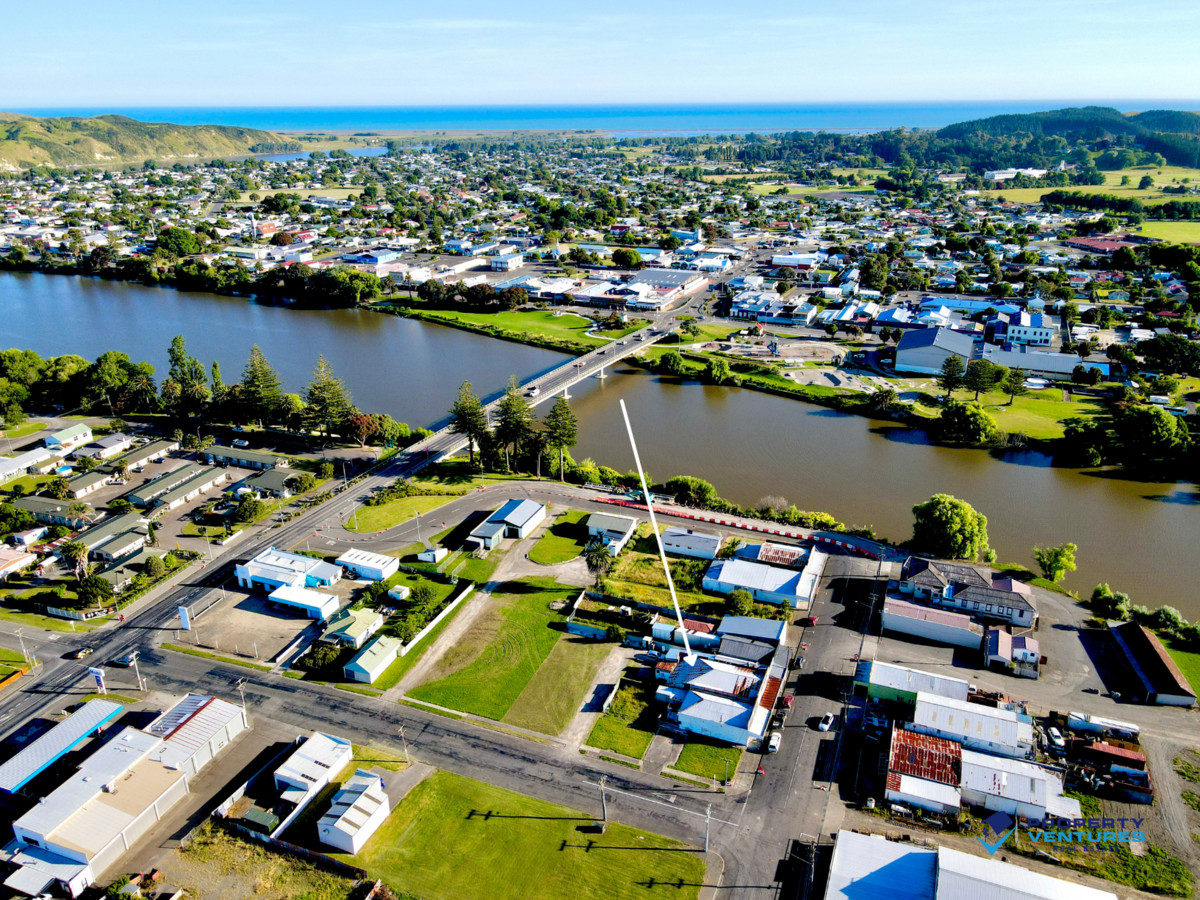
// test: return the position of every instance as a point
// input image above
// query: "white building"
(372, 660)
(313, 604)
(612, 530)
(1015, 787)
(938, 625)
(372, 566)
(273, 568)
(358, 810)
(765, 583)
(312, 766)
(691, 542)
(975, 726)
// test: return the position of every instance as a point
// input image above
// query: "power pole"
(603, 804)
(707, 820)
(20, 637)
(241, 686)
(403, 741)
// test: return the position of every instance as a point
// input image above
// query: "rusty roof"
(925, 756)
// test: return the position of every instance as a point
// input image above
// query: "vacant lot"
(630, 723)
(563, 540)
(1175, 232)
(453, 837)
(219, 866)
(557, 691)
(370, 519)
(708, 759)
(638, 575)
(501, 651)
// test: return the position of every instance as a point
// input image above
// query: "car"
(82, 652)
(773, 742)
(788, 700)
(241, 443)
(826, 722)
(127, 660)
(1055, 739)
(808, 621)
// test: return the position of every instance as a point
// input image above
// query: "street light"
(400, 731)
(20, 633)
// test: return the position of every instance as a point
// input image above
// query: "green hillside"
(27, 141)
(1079, 122)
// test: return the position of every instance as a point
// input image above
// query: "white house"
(612, 530)
(357, 811)
(691, 542)
(68, 439)
(372, 660)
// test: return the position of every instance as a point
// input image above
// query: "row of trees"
(516, 434)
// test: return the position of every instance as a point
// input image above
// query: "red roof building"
(924, 756)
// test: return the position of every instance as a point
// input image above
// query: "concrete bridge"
(539, 390)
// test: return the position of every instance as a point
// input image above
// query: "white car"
(826, 722)
(774, 741)
(240, 443)
(1055, 738)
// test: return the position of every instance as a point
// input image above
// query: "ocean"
(627, 120)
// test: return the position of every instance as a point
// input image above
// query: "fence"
(463, 592)
(319, 859)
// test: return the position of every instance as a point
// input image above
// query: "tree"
(58, 487)
(718, 371)
(75, 555)
(1109, 604)
(176, 242)
(1146, 183)
(949, 528)
(1014, 384)
(966, 423)
(261, 392)
(361, 426)
(155, 568)
(980, 376)
(739, 603)
(626, 258)
(671, 363)
(1055, 562)
(468, 418)
(1171, 354)
(185, 389)
(327, 402)
(251, 509)
(884, 399)
(562, 430)
(94, 591)
(598, 560)
(950, 378)
(514, 420)
(691, 491)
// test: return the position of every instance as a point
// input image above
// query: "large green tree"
(1055, 562)
(514, 420)
(950, 377)
(327, 402)
(261, 389)
(980, 377)
(562, 430)
(1014, 384)
(966, 423)
(950, 528)
(468, 418)
(185, 389)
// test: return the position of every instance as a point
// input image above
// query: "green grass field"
(629, 725)
(452, 837)
(541, 323)
(638, 575)
(23, 430)
(501, 651)
(558, 689)
(36, 620)
(563, 540)
(708, 759)
(370, 519)
(1162, 175)
(1187, 660)
(1175, 232)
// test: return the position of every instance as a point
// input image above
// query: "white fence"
(466, 592)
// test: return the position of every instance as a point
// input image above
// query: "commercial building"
(116, 537)
(614, 531)
(241, 457)
(372, 566)
(869, 866)
(771, 631)
(311, 766)
(82, 828)
(199, 483)
(357, 811)
(924, 772)
(312, 604)
(146, 493)
(515, 519)
(50, 746)
(272, 569)
(49, 511)
(13, 561)
(891, 683)
(1058, 366)
(30, 462)
(937, 625)
(924, 350)
(1156, 677)
(372, 660)
(691, 542)
(975, 726)
(1014, 787)
(766, 583)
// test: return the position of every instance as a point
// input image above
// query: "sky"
(517, 52)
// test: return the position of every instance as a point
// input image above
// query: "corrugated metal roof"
(871, 866)
(64, 736)
(964, 875)
(902, 678)
(925, 756)
(191, 724)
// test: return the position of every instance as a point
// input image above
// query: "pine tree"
(515, 419)
(562, 430)
(328, 401)
(468, 418)
(261, 390)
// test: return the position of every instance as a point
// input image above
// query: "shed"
(357, 811)
(313, 604)
(372, 566)
(372, 660)
(691, 542)
(614, 531)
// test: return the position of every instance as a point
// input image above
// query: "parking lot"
(245, 623)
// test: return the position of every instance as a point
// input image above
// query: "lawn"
(23, 430)
(559, 688)
(465, 566)
(518, 847)
(36, 620)
(708, 758)
(394, 673)
(522, 324)
(1176, 232)
(629, 725)
(502, 650)
(1187, 660)
(638, 575)
(370, 519)
(455, 476)
(563, 540)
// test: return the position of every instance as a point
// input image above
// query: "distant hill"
(1079, 122)
(66, 141)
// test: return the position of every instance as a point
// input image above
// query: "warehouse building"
(975, 726)
(372, 660)
(766, 583)
(357, 811)
(515, 519)
(372, 566)
(937, 625)
(1156, 677)
(272, 569)
(82, 828)
(872, 866)
(899, 684)
(311, 604)
(53, 744)
(312, 766)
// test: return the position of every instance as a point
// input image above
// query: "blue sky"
(371, 52)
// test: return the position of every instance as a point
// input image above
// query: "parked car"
(808, 621)
(826, 722)
(774, 741)
(1055, 739)
(241, 443)
(788, 700)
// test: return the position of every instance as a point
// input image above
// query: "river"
(1138, 536)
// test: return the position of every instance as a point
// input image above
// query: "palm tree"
(75, 554)
(599, 561)
(79, 510)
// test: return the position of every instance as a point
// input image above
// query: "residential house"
(614, 531)
(66, 440)
(49, 511)
(353, 627)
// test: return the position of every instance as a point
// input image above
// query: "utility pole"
(707, 820)
(138, 673)
(20, 637)
(604, 804)
(403, 741)
(241, 686)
